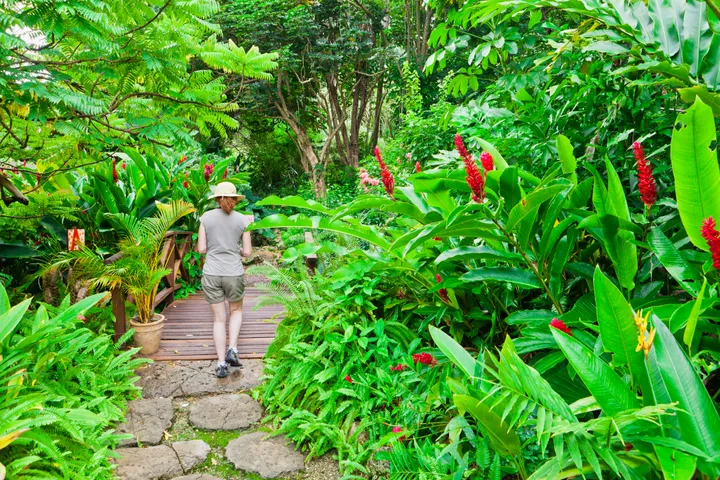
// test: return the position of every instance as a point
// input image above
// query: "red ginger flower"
(209, 169)
(114, 171)
(398, 429)
(185, 184)
(646, 181)
(474, 178)
(712, 237)
(418, 168)
(123, 166)
(487, 161)
(182, 159)
(442, 292)
(387, 178)
(560, 325)
(399, 367)
(424, 358)
(348, 379)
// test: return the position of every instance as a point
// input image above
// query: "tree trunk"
(50, 288)
(422, 54)
(378, 113)
(356, 117)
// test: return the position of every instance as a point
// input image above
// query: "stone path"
(191, 425)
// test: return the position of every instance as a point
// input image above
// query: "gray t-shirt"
(224, 240)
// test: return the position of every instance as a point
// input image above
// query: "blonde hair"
(227, 203)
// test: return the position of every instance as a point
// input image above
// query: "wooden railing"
(176, 245)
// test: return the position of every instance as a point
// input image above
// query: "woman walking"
(222, 237)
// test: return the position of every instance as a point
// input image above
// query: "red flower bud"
(38, 177)
(474, 178)
(398, 429)
(442, 292)
(387, 178)
(114, 171)
(123, 166)
(399, 367)
(487, 161)
(348, 379)
(424, 358)
(712, 237)
(182, 159)
(185, 184)
(209, 169)
(418, 168)
(560, 325)
(646, 181)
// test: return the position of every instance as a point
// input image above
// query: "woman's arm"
(246, 245)
(202, 240)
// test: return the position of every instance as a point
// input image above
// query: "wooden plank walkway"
(187, 334)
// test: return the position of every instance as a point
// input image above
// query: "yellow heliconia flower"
(645, 338)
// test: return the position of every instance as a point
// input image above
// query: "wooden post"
(310, 260)
(118, 308)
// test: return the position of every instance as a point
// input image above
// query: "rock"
(151, 463)
(225, 412)
(197, 476)
(269, 458)
(191, 453)
(193, 378)
(147, 420)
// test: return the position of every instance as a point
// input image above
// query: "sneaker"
(232, 358)
(221, 371)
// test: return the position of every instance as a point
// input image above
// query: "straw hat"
(225, 189)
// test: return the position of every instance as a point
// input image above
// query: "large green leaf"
(456, 353)
(567, 157)
(532, 202)
(693, 318)
(477, 253)
(617, 328)
(611, 206)
(693, 151)
(10, 319)
(503, 439)
(696, 34)
(516, 276)
(670, 257)
(675, 465)
(294, 201)
(610, 392)
(322, 223)
(4, 300)
(665, 28)
(696, 413)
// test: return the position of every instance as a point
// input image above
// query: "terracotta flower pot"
(147, 335)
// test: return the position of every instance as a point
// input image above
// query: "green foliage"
(535, 249)
(64, 388)
(83, 79)
(137, 269)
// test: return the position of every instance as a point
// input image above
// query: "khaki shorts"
(218, 289)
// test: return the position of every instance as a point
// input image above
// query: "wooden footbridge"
(187, 334)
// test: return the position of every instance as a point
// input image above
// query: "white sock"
(222, 364)
(234, 349)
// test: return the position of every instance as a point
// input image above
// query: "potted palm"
(136, 269)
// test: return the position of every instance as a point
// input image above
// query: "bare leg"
(235, 322)
(218, 310)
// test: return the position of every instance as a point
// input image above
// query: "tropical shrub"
(492, 251)
(63, 390)
(136, 267)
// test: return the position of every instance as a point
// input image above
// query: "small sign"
(76, 237)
